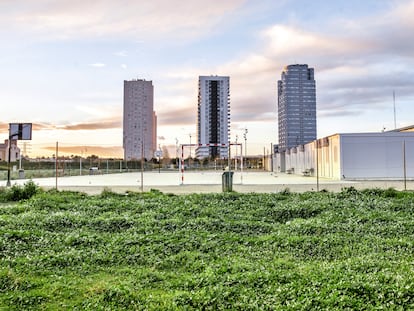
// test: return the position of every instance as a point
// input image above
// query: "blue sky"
(64, 62)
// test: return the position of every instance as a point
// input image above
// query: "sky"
(63, 64)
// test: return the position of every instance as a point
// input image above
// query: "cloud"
(102, 124)
(357, 65)
(76, 19)
(357, 61)
(121, 53)
(43, 126)
(289, 41)
(4, 127)
(97, 65)
(177, 116)
(88, 126)
(102, 151)
(339, 113)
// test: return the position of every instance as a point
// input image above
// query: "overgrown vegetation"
(351, 250)
(17, 192)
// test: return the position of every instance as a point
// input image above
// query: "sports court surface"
(204, 182)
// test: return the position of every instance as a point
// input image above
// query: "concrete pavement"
(204, 182)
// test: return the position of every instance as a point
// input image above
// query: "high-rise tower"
(213, 122)
(140, 128)
(296, 106)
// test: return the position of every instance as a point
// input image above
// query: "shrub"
(390, 193)
(18, 192)
(108, 193)
(349, 191)
(285, 191)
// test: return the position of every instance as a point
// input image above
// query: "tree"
(165, 153)
(93, 157)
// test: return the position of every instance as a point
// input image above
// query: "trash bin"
(227, 181)
(21, 174)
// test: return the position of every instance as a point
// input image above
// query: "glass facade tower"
(296, 106)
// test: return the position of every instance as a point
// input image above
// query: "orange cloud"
(4, 127)
(98, 125)
(101, 151)
(94, 125)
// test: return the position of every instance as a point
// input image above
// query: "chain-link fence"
(49, 167)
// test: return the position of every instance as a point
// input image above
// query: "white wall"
(377, 155)
(329, 157)
(354, 156)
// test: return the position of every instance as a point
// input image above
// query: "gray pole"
(271, 157)
(241, 163)
(245, 144)
(8, 164)
(159, 158)
(142, 164)
(229, 159)
(190, 145)
(395, 117)
(176, 153)
(235, 158)
(56, 165)
(405, 167)
(317, 167)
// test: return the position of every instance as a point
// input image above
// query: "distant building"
(213, 122)
(14, 151)
(296, 107)
(140, 121)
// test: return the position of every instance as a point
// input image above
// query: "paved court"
(204, 182)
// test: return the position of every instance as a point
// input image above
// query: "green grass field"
(351, 250)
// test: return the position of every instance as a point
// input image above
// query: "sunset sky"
(63, 64)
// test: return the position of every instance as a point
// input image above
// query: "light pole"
(190, 145)
(159, 158)
(8, 163)
(143, 130)
(176, 151)
(235, 159)
(245, 144)
(189, 159)
(83, 151)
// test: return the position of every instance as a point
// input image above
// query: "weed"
(18, 192)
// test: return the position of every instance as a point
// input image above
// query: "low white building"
(14, 151)
(386, 155)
